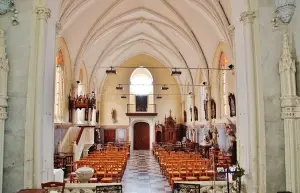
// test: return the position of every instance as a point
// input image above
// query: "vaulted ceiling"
(178, 33)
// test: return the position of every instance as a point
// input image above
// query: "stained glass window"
(59, 88)
(223, 87)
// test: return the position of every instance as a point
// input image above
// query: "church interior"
(149, 96)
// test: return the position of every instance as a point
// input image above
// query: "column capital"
(3, 113)
(247, 17)
(58, 28)
(43, 13)
(231, 29)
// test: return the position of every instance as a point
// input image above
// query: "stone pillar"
(42, 167)
(291, 116)
(3, 99)
(39, 136)
(247, 18)
(94, 111)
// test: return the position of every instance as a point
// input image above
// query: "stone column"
(3, 99)
(247, 18)
(38, 166)
(93, 111)
(291, 115)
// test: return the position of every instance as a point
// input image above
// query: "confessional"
(169, 131)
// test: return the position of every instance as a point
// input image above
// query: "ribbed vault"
(178, 33)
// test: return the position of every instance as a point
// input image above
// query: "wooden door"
(141, 136)
(109, 136)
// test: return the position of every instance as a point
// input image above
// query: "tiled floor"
(142, 175)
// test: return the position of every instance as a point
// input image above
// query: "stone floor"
(142, 175)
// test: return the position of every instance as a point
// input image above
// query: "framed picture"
(231, 101)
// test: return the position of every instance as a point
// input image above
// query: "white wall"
(111, 98)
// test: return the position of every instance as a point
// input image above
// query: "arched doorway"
(141, 135)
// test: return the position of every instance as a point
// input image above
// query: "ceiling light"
(123, 97)
(119, 87)
(159, 97)
(164, 87)
(175, 72)
(111, 71)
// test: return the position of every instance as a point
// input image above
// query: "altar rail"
(206, 187)
(91, 187)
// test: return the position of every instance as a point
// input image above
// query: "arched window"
(59, 88)
(141, 90)
(223, 87)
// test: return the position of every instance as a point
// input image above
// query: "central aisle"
(142, 175)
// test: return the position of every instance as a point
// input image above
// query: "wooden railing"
(79, 135)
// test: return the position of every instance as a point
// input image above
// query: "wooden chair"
(57, 186)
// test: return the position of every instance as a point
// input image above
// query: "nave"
(143, 175)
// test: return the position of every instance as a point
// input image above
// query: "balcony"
(141, 110)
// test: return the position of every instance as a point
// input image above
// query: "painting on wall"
(231, 100)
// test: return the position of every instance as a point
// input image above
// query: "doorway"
(158, 137)
(141, 136)
(109, 135)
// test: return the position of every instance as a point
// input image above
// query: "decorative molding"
(58, 28)
(285, 10)
(3, 113)
(247, 17)
(286, 62)
(290, 113)
(3, 59)
(43, 13)
(3, 98)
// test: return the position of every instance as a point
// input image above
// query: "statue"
(214, 137)
(114, 115)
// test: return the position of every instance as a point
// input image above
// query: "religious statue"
(231, 101)
(191, 112)
(213, 109)
(196, 113)
(114, 115)
(206, 109)
(215, 136)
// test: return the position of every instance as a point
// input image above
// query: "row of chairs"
(183, 166)
(109, 166)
